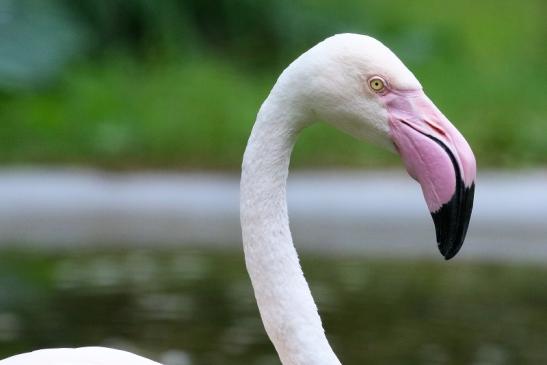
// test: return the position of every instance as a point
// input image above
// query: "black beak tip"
(452, 220)
(450, 252)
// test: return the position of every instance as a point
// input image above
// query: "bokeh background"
(176, 84)
(126, 86)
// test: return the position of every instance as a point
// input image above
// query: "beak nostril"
(436, 128)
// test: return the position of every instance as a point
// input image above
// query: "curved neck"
(286, 306)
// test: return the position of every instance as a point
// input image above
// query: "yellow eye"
(377, 84)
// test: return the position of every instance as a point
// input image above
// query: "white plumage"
(328, 82)
(78, 356)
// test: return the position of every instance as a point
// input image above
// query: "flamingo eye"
(377, 84)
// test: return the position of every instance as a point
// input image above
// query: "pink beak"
(439, 158)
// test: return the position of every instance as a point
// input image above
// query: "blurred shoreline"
(379, 213)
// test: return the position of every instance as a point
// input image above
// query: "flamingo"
(358, 85)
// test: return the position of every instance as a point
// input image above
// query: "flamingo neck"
(284, 299)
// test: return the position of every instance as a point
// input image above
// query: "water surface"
(195, 306)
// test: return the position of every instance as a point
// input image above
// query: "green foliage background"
(176, 84)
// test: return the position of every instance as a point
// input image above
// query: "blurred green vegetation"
(176, 84)
(199, 302)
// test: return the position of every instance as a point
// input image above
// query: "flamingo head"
(357, 84)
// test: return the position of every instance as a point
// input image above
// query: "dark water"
(196, 307)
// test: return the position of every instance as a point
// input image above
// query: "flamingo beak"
(439, 158)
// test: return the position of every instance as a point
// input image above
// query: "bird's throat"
(283, 296)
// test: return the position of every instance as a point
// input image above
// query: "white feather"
(328, 82)
(78, 356)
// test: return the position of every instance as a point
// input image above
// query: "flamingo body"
(78, 356)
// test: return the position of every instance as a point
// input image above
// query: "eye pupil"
(377, 84)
